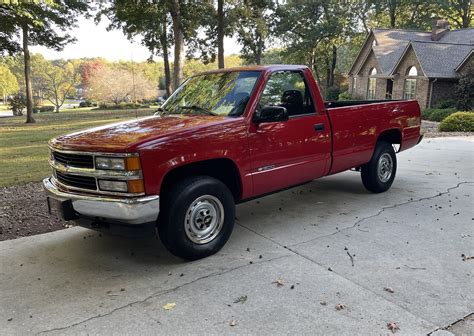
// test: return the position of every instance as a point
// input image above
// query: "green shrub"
(434, 114)
(46, 108)
(444, 104)
(333, 93)
(458, 122)
(121, 106)
(17, 104)
(87, 103)
(345, 96)
(465, 91)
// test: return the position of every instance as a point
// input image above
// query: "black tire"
(372, 180)
(175, 228)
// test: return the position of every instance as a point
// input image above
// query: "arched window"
(409, 89)
(411, 71)
(372, 84)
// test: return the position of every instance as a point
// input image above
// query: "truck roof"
(269, 67)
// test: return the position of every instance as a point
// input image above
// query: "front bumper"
(121, 210)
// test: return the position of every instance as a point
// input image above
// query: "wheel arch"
(223, 169)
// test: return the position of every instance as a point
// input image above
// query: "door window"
(289, 90)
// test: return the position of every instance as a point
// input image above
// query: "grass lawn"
(24, 147)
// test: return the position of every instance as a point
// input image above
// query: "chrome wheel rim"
(204, 219)
(385, 167)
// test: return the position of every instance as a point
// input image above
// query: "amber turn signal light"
(135, 186)
(132, 163)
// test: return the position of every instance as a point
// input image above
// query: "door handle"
(319, 127)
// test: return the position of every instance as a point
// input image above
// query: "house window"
(372, 84)
(409, 89)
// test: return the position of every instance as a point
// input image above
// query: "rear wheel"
(197, 217)
(378, 174)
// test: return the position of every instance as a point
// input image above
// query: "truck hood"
(125, 136)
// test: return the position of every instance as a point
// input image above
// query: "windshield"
(223, 94)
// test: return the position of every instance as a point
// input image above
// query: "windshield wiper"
(198, 108)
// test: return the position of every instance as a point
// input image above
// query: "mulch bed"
(23, 212)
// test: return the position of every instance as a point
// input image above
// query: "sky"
(95, 41)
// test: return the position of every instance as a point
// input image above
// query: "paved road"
(409, 239)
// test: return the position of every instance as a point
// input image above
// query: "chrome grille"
(74, 160)
(76, 181)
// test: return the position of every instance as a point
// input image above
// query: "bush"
(46, 108)
(445, 104)
(17, 104)
(345, 96)
(333, 93)
(87, 103)
(458, 122)
(434, 114)
(121, 106)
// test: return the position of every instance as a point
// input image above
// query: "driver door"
(287, 153)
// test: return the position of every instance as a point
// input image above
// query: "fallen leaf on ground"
(340, 306)
(466, 257)
(388, 289)
(323, 303)
(393, 326)
(279, 282)
(233, 323)
(169, 306)
(241, 299)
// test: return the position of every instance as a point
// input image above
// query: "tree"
(35, 22)
(112, 84)
(145, 18)
(8, 83)
(465, 91)
(253, 19)
(459, 12)
(59, 80)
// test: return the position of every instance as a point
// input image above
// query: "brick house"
(407, 64)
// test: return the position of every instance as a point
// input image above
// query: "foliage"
(111, 84)
(39, 23)
(333, 93)
(436, 114)
(17, 104)
(87, 103)
(345, 96)
(458, 122)
(465, 91)
(8, 82)
(444, 104)
(46, 108)
(121, 106)
(253, 22)
(59, 80)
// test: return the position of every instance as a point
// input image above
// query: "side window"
(288, 89)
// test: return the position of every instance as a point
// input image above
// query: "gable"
(408, 59)
(362, 55)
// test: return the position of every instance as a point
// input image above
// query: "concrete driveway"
(294, 256)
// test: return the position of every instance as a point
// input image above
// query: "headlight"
(130, 186)
(111, 163)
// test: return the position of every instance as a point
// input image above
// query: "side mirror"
(271, 114)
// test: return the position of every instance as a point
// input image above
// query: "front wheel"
(197, 217)
(378, 174)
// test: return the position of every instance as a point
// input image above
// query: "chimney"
(439, 28)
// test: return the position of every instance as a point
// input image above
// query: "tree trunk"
(259, 51)
(392, 8)
(466, 13)
(178, 43)
(332, 66)
(166, 61)
(220, 33)
(29, 92)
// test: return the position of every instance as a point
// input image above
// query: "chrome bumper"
(124, 210)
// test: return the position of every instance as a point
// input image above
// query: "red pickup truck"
(222, 137)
